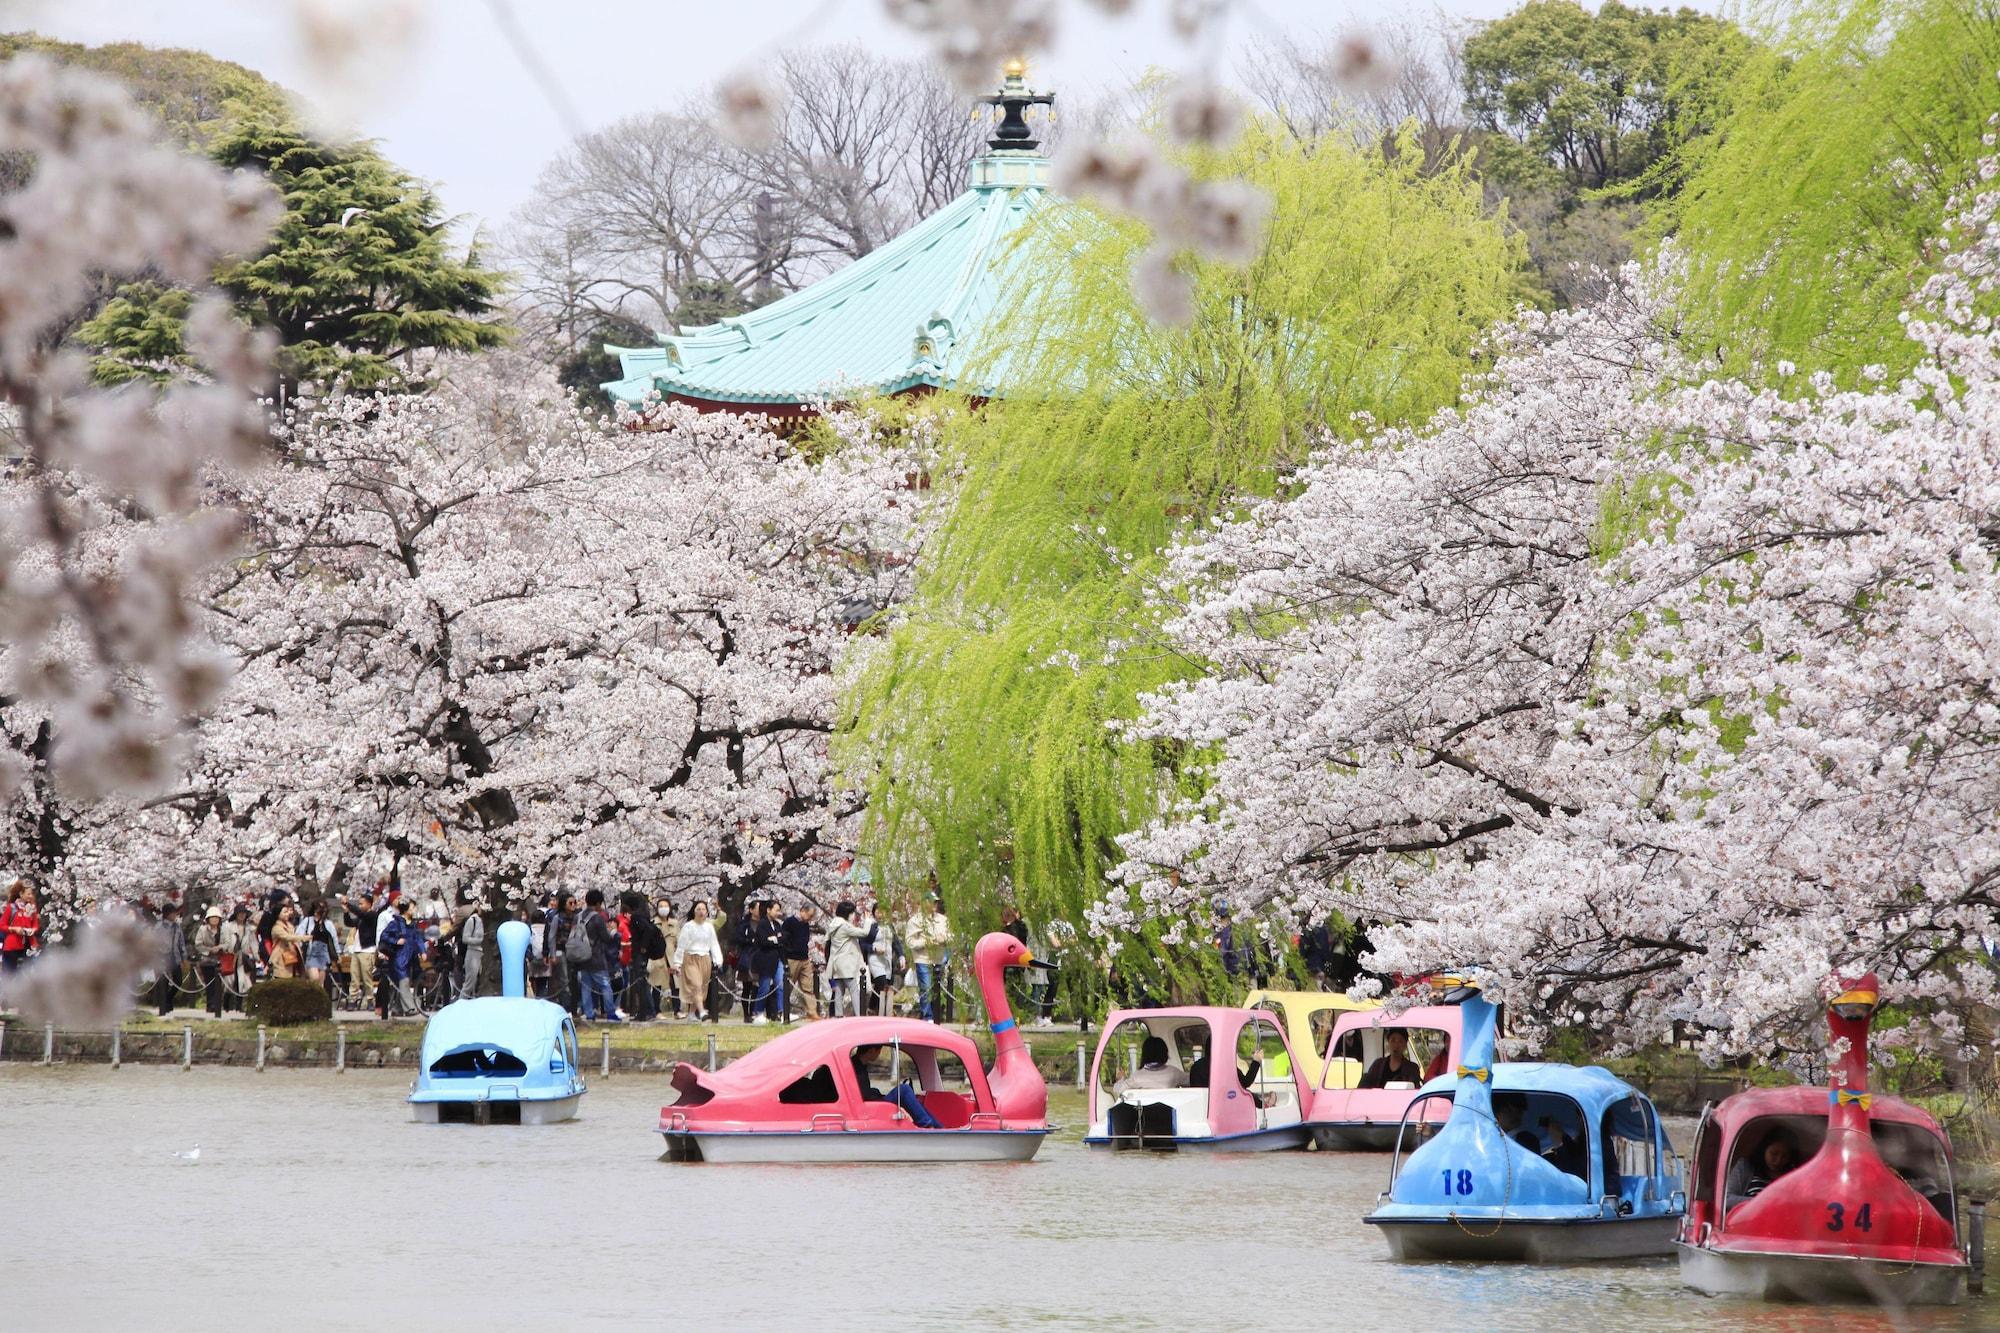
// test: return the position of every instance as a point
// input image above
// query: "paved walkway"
(733, 1021)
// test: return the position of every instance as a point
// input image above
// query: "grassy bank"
(640, 1047)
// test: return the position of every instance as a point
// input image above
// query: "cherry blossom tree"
(102, 525)
(104, 529)
(1659, 695)
(494, 641)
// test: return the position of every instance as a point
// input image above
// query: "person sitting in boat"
(1394, 1065)
(1197, 1076)
(1154, 1071)
(904, 1094)
(1777, 1154)
(1567, 1150)
(1509, 1110)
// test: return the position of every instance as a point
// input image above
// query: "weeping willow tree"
(1806, 215)
(985, 727)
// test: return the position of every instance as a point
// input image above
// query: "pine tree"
(356, 276)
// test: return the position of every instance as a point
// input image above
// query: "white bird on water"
(191, 1156)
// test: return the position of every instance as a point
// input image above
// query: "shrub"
(286, 1000)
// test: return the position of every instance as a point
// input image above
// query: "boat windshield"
(1264, 1064)
(1361, 1052)
(1162, 1052)
(1422, 1120)
(1548, 1124)
(478, 1062)
(929, 1083)
(1911, 1151)
(1318, 1023)
(1632, 1160)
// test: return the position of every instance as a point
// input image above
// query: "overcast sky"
(453, 103)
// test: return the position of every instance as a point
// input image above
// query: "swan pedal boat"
(499, 1059)
(1607, 1186)
(1870, 1213)
(800, 1097)
(1238, 1109)
(1343, 1116)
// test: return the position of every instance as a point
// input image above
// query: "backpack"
(578, 949)
(656, 944)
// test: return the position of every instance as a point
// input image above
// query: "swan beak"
(1026, 959)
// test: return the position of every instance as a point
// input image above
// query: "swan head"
(1002, 950)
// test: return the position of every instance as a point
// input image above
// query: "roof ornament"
(1015, 97)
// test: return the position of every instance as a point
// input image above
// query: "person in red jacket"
(20, 927)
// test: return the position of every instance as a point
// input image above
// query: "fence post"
(711, 1052)
(48, 1043)
(340, 1050)
(116, 1034)
(187, 1047)
(604, 1054)
(1079, 1067)
(1976, 1280)
(260, 1048)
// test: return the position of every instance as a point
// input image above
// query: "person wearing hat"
(208, 958)
(238, 956)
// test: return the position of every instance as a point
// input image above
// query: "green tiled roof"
(910, 313)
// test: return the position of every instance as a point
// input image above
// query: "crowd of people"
(632, 959)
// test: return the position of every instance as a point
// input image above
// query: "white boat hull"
(540, 1111)
(913, 1145)
(1532, 1242)
(1818, 1279)
(1284, 1139)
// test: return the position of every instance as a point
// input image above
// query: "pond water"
(315, 1202)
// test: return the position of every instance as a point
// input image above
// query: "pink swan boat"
(871, 1090)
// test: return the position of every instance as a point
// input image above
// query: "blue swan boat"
(501, 1059)
(1542, 1163)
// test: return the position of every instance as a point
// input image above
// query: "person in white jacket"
(697, 953)
(843, 958)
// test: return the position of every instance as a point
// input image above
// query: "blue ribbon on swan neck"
(1004, 1025)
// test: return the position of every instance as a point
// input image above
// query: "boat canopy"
(1595, 1089)
(497, 1046)
(1214, 1101)
(1739, 1109)
(529, 1030)
(1309, 1018)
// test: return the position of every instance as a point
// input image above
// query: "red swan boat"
(1870, 1214)
(871, 1090)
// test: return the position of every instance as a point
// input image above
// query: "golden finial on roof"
(1013, 98)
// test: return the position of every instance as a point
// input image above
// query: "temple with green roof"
(909, 317)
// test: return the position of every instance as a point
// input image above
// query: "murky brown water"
(316, 1203)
